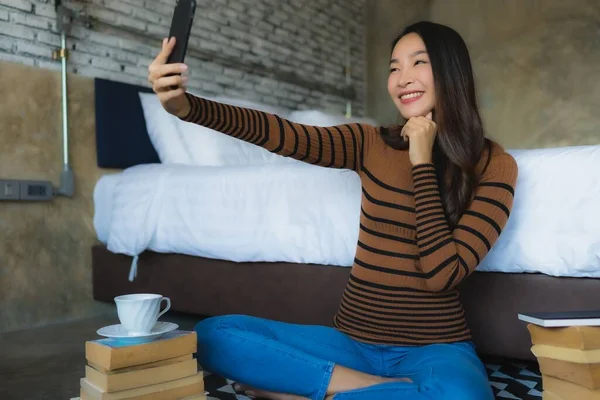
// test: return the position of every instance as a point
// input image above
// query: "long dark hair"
(460, 139)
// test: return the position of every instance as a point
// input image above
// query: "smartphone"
(181, 26)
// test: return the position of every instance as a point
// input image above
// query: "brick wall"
(289, 53)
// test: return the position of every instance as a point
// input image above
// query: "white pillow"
(179, 142)
(162, 129)
(209, 147)
(320, 118)
(554, 226)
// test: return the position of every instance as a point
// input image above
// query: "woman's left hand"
(420, 131)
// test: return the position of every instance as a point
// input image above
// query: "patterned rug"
(509, 380)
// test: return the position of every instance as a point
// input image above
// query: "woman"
(436, 195)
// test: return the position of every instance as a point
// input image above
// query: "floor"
(47, 363)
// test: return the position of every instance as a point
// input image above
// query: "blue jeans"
(299, 359)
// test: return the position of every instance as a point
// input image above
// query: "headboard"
(122, 139)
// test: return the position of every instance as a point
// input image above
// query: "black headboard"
(122, 139)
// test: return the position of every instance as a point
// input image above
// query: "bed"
(169, 227)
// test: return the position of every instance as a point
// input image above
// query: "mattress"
(293, 212)
(300, 213)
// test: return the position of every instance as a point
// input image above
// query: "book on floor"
(194, 397)
(138, 377)
(562, 318)
(546, 395)
(141, 366)
(586, 375)
(566, 354)
(111, 354)
(567, 390)
(573, 337)
(175, 389)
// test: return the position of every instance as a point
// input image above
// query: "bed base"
(310, 294)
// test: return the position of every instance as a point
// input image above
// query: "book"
(194, 397)
(573, 337)
(177, 389)
(568, 390)
(111, 354)
(565, 354)
(115, 382)
(587, 375)
(562, 318)
(546, 395)
(158, 363)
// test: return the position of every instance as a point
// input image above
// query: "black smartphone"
(181, 26)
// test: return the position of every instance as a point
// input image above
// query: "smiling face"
(410, 83)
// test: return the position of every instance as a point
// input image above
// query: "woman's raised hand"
(169, 82)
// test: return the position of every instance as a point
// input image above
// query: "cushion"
(209, 147)
(554, 225)
(180, 142)
(321, 118)
(163, 132)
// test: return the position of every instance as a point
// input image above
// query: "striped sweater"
(408, 263)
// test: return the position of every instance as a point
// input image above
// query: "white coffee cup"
(138, 313)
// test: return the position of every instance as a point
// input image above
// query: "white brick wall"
(289, 53)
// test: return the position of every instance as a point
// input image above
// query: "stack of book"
(161, 369)
(567, 347)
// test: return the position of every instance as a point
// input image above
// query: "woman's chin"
(409, 112)
(408, 115)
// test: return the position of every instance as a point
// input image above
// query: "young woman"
(436, 195)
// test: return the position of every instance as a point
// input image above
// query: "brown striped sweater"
(402, 286)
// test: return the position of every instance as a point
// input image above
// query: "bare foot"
(263, 394)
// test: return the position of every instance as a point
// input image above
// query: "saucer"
(119, 333)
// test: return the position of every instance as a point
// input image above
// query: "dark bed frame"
(299, 293)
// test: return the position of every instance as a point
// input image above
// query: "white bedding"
(295, 212)
(104, 192)
(554, 227)
(292, 212)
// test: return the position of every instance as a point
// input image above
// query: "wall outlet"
(9, 190)
(23, 190)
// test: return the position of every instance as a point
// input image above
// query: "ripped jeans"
(299, 359)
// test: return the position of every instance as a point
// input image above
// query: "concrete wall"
(538, 67)
(45, 261)
(285, 53)
(537, 64)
